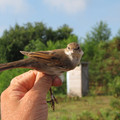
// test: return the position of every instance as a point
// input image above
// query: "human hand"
(25, 98)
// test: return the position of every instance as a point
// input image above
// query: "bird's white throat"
(75, 59)
(69, 53)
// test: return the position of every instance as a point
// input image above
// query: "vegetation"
(101, 51)
(103, 54)
(86, 108)
(18, 37)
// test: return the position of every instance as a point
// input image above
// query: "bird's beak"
(72, 51)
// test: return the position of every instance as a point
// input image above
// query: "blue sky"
(81, 15)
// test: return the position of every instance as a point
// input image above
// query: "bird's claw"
(53, 100)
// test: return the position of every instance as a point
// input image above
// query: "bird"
(52, 62)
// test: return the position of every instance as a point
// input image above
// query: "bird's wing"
(40, 54)
(51, 58)
(48, 56)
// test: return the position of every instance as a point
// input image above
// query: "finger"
(48, 81)
(24, 81)
(57, 82)
(43, 83)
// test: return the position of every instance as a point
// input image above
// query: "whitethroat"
(52, 62)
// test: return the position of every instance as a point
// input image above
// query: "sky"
(81, 15)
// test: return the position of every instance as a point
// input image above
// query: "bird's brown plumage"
(52, 62)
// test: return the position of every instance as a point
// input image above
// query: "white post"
(74, 85)
(77, 81)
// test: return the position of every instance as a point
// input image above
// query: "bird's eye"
(69, 48)
(77, 48)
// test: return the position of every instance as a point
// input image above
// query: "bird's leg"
(53, 100)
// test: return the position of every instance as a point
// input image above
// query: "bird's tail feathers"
(17, 64)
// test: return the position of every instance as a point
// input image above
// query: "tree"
(16, 38)
(37, 45)
(102, 55)
(64, 32)
(100, 32)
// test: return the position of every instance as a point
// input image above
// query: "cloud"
(68, 6)
(14, 6)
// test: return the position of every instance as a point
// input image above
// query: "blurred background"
(52, 24)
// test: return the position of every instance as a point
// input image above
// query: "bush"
(115, 86)
(8, 75)
(115, 103)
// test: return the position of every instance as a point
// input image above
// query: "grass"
(85, 108)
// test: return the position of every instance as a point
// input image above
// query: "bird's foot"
(53, 100)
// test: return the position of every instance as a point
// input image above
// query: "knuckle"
(13, 81)
(3, 94)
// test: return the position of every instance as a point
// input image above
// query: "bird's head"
(74, 49)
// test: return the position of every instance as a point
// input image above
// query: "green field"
(86, 108)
